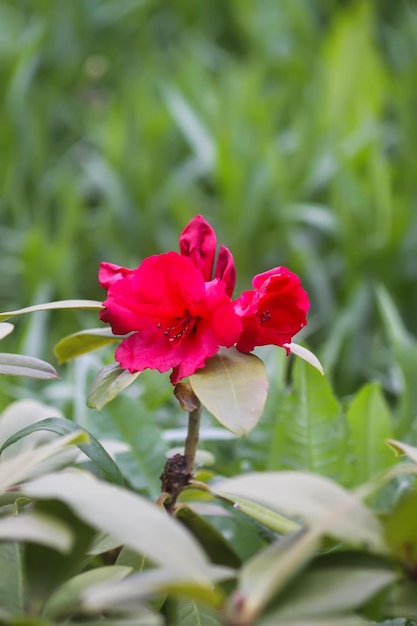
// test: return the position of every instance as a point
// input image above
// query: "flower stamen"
(265, 316)
(183, 327)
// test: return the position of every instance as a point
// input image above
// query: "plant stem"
(191, 441)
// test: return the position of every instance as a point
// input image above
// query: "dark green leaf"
(213, 542)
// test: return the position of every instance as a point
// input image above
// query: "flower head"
(198, 243)
(274, 311)
(176, 319)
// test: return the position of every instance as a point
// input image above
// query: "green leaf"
(192, 613)
(138, 587)
(269, 571)
(323, 592)
(400, 448)
(213, 542)
(401, 532)
(315, 499)
(20, 467)
(128, 517)
(67, 598)
(404, 347)
(84, 341)
(310, 432)
(5, 329)
(37, 528)
(263, 515)
(48, 306)
(108, 383)
(233, 387)
(334, 620)
(20, 365)
(93, 449)
(12, 581)
(369, 421)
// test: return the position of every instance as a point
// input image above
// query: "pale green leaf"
(315, 499)
(137, 587)
(82, 342)
(109, 382)
(5, 329)
(233, 387)
(369, 421)
(48, 306)
(20, 365)
(20, 467)
(326, 591)
(67, 598)
(127, 517)
(21, 414)
(399, 447)
(271, 569)
(310, 433)
(271, 519)
(306, 355)
(93, 449)
(37, 528)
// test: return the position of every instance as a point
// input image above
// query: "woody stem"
(191, 441)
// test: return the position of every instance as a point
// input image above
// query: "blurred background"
(291, 126)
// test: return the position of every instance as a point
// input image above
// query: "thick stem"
(191, 441)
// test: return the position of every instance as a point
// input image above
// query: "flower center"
(183, 326)
(265, 316)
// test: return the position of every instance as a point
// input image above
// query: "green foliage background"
(290, 125)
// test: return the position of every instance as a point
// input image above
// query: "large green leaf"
(48, 306)
(20, 365)
(369, 421)
(93, 449)
(310, 433)
(128, 517)
(233, 387)
(38, 528)
(82, 342)
(20, 467)
(108, 383)
(315, 499)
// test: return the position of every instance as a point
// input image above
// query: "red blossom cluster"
(177, 309)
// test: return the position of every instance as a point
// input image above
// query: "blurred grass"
(290, 125)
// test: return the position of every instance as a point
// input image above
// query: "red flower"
(198, 243)
(274, 311)
(176, 318)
